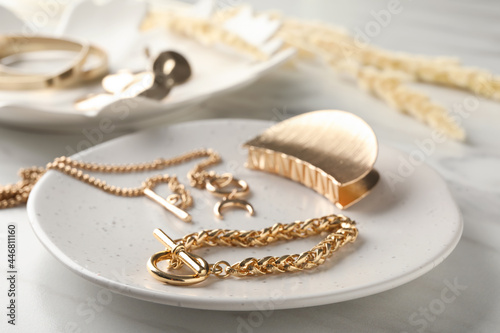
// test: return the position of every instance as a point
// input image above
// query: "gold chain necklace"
(18, 193)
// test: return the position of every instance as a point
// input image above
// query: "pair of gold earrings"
(230, 190)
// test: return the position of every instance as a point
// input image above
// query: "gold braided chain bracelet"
(341, 230)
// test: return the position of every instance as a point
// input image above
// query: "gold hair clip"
(332, 152)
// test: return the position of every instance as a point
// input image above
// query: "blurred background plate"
(406, 227)
(215, 69)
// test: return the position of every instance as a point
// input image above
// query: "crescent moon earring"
(227, 202)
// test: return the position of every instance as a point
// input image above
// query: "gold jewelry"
(168, 69)
(14, 195)
(332, 152)
(218, 186)
(77, 72)
(17, 194)
(340, 228)
(230, 198)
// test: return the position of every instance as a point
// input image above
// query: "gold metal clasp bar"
(168, 205)
(173, 250)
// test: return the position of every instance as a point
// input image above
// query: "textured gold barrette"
(332, 152)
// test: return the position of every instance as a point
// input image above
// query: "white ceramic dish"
(215, 70)
(405, 229)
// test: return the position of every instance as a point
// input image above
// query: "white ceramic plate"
(405, 230)
(215, 70)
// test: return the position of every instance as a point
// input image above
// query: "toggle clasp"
(169, 203)
(176, 251)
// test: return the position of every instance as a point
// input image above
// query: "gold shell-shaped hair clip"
(332, 152)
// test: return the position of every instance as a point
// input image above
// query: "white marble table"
(53, 299)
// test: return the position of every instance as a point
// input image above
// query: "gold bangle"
(10, 79)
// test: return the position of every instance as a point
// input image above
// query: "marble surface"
(460, 295)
